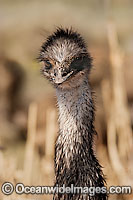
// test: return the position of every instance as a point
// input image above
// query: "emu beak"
(60, 78)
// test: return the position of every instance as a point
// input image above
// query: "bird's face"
(56, 72)
(64, 62)
(61, 72)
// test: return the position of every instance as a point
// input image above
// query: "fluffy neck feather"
(75, 162)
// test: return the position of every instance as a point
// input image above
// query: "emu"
(66, 63)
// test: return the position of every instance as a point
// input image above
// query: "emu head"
(64, 58)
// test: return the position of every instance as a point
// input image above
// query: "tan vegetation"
(28, 115)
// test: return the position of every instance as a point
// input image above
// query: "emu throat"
(75, 162)
(75, 124)
(75, 121)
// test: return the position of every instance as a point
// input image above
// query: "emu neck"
(75, 119)
(75, 162)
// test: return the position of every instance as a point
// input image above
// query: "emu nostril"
(64, 73)
(55, 73)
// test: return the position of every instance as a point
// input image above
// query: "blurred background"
(28, 114)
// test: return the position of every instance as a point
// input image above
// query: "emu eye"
(79, 63)
(48, 65)
(78, 58)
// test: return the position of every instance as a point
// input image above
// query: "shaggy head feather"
(64, 56)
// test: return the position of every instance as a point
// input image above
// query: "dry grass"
(27, 134)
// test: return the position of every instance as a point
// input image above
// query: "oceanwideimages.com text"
(8, 188)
